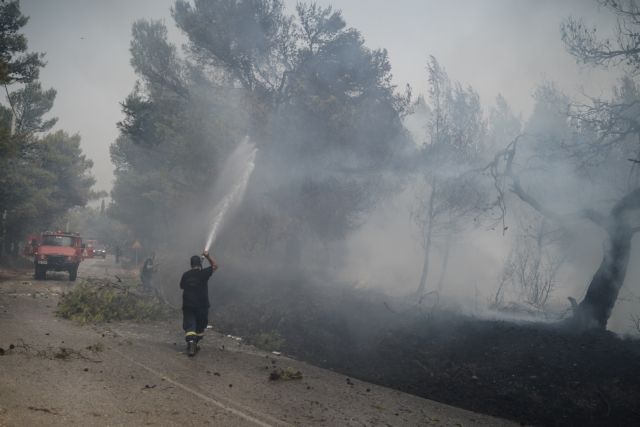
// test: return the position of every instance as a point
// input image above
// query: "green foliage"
(31, 103)
(15, 64)
(318, 103)
(269, 341)
(178, 128)
(154, 58)
(8, 144)
(286, 374)
(248, 38)
(96, 301)
(41, 177)
(43, 183)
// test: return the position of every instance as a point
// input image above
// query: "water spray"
(232, 198)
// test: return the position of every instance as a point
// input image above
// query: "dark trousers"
(146, 282)
(194, 322)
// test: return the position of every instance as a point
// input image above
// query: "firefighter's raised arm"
(212, 261)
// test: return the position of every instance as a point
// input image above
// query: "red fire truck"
(58, 251)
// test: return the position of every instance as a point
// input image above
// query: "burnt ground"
(532, 373)
(56, 372)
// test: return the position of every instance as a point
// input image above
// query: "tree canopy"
(319, 105)
(42, 175)
(16, 64)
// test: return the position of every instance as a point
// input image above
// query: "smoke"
(242, 161)
(316, 209)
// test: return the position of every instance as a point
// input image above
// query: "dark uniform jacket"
(194, 284)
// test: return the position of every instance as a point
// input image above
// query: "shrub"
(269, 341)
(96, 301)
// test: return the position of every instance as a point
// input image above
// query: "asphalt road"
(61, 373)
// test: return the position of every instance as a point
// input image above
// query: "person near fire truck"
(147, 271)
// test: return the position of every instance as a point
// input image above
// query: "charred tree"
(597, 305)
(447, 195)
(594, 310)
(445, 262)
(616, 124)
(427, 238)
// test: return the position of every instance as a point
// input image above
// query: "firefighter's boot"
(192, 347)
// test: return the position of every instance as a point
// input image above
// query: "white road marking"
(244, 413)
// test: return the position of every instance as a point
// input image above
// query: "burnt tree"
(597, 305)
(617, 127)
(620, 224)
(447, 194)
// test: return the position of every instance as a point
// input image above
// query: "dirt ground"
(530, 373)
(55, 372)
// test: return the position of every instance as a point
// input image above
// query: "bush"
(96, 301)
(269, 341)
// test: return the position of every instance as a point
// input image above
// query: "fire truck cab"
(58, 251)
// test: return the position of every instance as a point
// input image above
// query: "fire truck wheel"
(41, 272)
(73, 273)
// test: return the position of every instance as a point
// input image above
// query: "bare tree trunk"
(425, 267)
(601, 296)
(596, 307)
(427, 246)
(445, 263)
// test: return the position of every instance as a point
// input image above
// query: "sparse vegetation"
(269, 341)
(286, 374)
(64, 353)
(97, 347)
(96, 301)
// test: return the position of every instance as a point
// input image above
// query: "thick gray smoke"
(345, 166)
(320, 211)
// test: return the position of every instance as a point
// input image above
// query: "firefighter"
(195, 300)
(146, 272)
(31, 248)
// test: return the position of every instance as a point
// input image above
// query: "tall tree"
(448, 193)
(30, 104)
(16, 64)
(40, 186)
(178, 127)
(41, 177)
(602, 143)
(252, 39)
(616, 129)
(583, 152)
(503, 125)
(322, 108)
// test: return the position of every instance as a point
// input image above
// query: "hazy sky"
(505, 46)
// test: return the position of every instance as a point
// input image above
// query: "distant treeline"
(42, 173)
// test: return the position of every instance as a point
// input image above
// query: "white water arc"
(234, 196)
